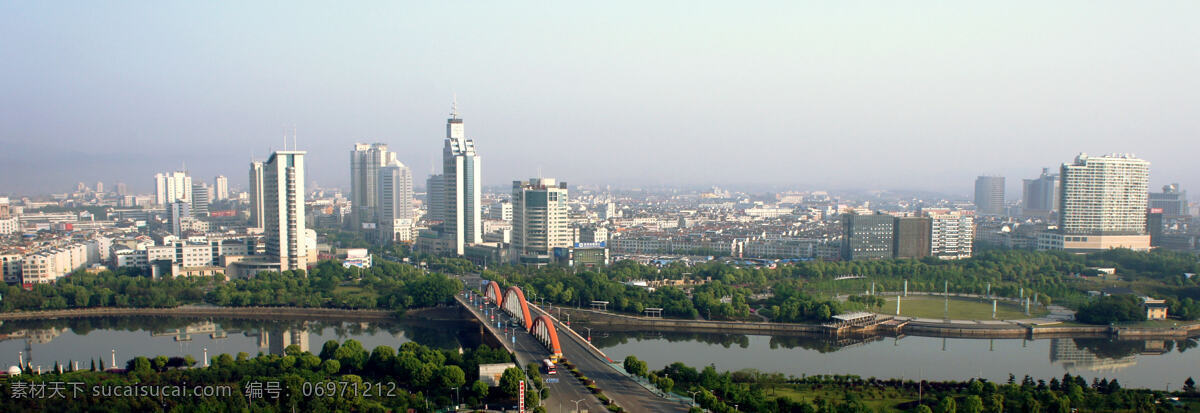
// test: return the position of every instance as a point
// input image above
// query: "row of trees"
(425, 379)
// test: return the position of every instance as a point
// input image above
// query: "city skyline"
(707, 99)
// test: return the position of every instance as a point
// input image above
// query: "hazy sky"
(823, 95)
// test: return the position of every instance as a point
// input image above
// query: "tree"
(634, 366)
(480, 389)
(510, 382)
(328, 349)
(1189, 385)
(452, 376)
(331, 366)
(924, 409)
(946, 405)
(973, 404)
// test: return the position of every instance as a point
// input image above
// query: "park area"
(961, 308)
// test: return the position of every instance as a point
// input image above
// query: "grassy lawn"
(880, 400)
(354, 290)
(960, 308)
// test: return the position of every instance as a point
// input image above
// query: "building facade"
(1103, 203)
(540, 220)
(255, 190)
(283, 195)
(435, 198)
(395, 203)
(1172, 201)
(867, 237)
(989, 195)
(952, 234)
(220, 188)
(1040, 195)
(460, 167)
(366, 161)
(912, 238)
(171, 187)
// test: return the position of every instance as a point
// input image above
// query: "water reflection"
(65, 340)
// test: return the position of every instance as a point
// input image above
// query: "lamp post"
(589, 329)
(693, 394)
(577, 404)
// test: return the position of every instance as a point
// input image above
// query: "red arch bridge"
(513, 302)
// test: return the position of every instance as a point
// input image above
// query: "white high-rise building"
(220, 188)
(435, 198)
(952, 234)
(255, 190)
(171, 187)
(1103, 203)
(365, 162)
(460, 167)
(283, 197)
(395, 202)
(540, 220)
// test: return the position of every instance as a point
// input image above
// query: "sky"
(811, 95)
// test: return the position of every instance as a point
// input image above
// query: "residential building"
(366, 161)
(5, 208)
(867, 237)
(178, 212)
(10, 225)
(540, 220)
(171, 187)
(1103, 203)
(952, 234)
(283, 196)
(220, 188)
(435, 198)
(989, 195)
(460, 166)
(593, 233)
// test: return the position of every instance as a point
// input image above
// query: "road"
(528, 349)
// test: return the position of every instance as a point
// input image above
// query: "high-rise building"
(460, 167)
(435, 198)
(365, 162)
(540, 220)
(200, 199)
(99, 187)
(1103, 203)
(121, 189)
(283, 197)
(989, 195)
(952, 233)
(911, 238)
(1172, 201)
(1040, 195)
(395, 202)
(177, 212)
(220, 188)
(171, 187)
(866, 237)
(255, 190)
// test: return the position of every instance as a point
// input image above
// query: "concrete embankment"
(207, 312)
(962, 329)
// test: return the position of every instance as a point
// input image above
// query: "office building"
(171, 187)
(283, 198)
(460, 167)
(435, 198)
(366, 160)
(1103, 203)
(255, 190)
(395, 202)
(200, 200)
(912, 237)
(220, 188)
(1040, 195)
(502, 211)
(867, 237)
(177, 213)
(989, 195)
(1172, 201)
(122, 190)
(540, 220)
(952, 233)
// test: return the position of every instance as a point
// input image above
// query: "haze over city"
(819, 96)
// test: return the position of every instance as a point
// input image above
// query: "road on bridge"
(529, 350)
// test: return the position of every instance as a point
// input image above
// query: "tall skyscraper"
(99, 187)
(435, 198)
(255, 189)
(989, 195)
(200, 199)
(365, 162)
(283, 196)
(460, 167)
(395, 202)
(865, 237)
(1040, 195)
(1172, 201)
(540, 220)
(121, 189)
(1103, 203)
(171, 187)
(220, 188)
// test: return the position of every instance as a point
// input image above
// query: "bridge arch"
(543, 329)
(493, 293)
(514, 304)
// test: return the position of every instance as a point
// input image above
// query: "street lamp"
(589, 329)
(577, 404)
(693, 394)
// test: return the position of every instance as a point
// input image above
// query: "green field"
(960, 308)
(880, 400)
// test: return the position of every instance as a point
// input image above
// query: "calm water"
(83, 340)
(1153, 364)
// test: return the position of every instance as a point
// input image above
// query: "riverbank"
(904, 326)
(252, 313)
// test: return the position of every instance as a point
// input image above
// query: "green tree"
(452, 376)
(480, 389)
(973, 404)
(510, 382)
(946, 405)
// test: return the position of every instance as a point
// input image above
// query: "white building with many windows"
(1103, 203)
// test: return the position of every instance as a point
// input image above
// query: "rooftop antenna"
(294, 137)
(285, 138)
(454, 106)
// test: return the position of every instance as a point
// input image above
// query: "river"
(83, 340)
(1150, 364)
